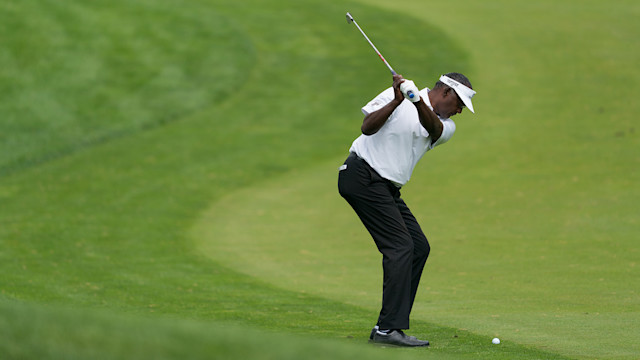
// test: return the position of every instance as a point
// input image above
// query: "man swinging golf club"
(396, 133)
(400, 125)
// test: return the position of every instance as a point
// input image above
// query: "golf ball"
(495, 341)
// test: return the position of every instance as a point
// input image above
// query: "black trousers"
(397, 235)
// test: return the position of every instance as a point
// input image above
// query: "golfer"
(400, 125)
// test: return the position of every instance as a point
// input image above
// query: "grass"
(148, 149)
(62, 333)
(59, 333)
(108, 73)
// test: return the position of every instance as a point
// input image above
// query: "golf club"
(350, 20)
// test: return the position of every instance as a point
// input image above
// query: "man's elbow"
(371, 124)
(367, 130)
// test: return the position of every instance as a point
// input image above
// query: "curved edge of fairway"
(296, 233)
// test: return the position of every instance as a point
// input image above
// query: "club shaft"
(350, 19)
(374, 47)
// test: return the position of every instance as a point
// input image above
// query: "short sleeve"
(379, 101)
(448, 128)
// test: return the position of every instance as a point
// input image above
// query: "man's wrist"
(396, 102)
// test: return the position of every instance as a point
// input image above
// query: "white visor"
(464, 92)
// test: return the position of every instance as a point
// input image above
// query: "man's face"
(450, 104)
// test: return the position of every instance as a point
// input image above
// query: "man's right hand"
(397, 80)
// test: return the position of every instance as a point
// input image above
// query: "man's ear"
(447, 91)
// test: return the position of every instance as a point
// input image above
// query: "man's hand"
(402, 88)
(410, 91)
(397, 82)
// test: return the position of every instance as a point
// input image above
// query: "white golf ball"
(495, 341)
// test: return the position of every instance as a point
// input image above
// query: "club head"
(349, 18)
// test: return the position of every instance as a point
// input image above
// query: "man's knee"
(422, 248)
(401, 249)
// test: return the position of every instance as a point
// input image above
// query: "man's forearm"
(375, 120)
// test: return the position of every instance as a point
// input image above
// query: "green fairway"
(168, 179)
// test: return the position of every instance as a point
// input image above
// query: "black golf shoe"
(396, 338)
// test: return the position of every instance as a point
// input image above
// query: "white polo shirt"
(401, 142)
